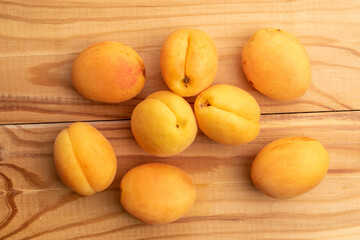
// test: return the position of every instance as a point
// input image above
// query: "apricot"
(84, 159)
(289, 166)
(276, 64)
(188, 61)
(163, 124)
(157, 193)
(108, 72)
(227, 114)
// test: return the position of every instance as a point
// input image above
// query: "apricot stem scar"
(186, 81)
(205, 104)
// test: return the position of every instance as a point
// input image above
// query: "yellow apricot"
(276, 64)
(157, 193)
(84, 159)
(188, 61)
(108, 72)
(289, 166)
(227, 114)
(163, 124)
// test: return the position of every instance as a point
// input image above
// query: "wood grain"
(34, 204)
(39, 41)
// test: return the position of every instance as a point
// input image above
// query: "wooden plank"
(36, 205)
(39, 42)
(38, 28)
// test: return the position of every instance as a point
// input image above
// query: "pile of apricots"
(164, 124)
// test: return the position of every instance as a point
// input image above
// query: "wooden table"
(39, 41)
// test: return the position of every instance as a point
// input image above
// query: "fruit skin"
(164, 124)
(276, 64)
(108, 72)
(289, 166)
(188, 61)
(84, 159)
(227, 114)
(157, 193)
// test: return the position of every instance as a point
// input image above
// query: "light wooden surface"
(40, 39)
(37, 205)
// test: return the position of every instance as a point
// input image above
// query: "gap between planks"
(116, 120)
